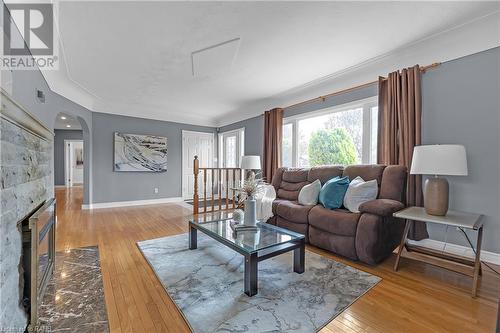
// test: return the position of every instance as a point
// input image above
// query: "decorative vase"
(238, 215)
(250, 212)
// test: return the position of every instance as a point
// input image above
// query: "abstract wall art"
(140, 153)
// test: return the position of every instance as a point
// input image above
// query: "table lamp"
(438, 160)
(250, 163)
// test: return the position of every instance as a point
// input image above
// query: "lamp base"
(436, 196)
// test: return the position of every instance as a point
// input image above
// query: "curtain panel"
(273, 137)
(400, 129)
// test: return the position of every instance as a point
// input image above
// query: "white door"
(196, 144)
(73, 162)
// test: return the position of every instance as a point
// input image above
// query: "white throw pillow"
(358, 192)
(308, 195)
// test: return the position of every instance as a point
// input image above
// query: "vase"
(250, 212)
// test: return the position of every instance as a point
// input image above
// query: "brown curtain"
(400, 129)
(273, 136)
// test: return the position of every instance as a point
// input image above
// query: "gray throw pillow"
(308, 195)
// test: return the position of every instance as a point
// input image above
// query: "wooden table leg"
(402, 244)
(477, 263)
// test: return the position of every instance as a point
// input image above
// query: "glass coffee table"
(267, 242)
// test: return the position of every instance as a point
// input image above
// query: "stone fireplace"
(26, 184)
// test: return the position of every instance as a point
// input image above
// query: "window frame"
(366, 104)
(240, 145)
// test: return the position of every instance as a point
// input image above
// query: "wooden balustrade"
(220, 182)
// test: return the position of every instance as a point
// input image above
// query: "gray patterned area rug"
(207, 286)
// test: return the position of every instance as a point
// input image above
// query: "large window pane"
(373, 134)
(288, 145)
(230, 152)
(334, 138)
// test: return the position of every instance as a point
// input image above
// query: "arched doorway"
(71, 156)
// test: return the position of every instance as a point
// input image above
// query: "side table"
(464, 265)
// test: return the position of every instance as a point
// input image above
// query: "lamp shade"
(250, 162)
(439, 160)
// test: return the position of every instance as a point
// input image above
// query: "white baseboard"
(487, 256)
(131, 203)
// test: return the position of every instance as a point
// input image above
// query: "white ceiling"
(135, 58)
(68, 120)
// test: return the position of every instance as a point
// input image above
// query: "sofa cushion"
(332, 193)
(338, 244)
(324, 173)
(301, 228)
(276, 181)
(295, 175)
(381, 207)
(367, 172)
(276, 203)
(308, 195)
(393, 183)
(338, 221)
(293, 211)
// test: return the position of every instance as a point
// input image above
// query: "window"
(231, 148)
(344, 135)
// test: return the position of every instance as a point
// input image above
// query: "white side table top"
(452, 218)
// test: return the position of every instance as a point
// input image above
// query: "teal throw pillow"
(332, 193)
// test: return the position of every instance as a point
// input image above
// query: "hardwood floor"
(418, 298)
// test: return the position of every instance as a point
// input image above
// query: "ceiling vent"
(214, 59)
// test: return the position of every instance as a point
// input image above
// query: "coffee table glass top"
(266, 236)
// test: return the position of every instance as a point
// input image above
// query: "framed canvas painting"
(142, 153)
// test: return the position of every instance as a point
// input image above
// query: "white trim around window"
(369, 126)
(240, 145)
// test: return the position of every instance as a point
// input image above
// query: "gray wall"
(60, 136)
(461, 105)
(110, 186)
(25, 83)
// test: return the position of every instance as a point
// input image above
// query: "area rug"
(74, 298)
(206, 284)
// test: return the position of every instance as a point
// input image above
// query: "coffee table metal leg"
(193, 238)
(299, 258)
(251, 269)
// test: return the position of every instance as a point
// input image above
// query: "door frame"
(68, 175)
(240, 147)
(187, 132)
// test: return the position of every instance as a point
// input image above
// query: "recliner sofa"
(369, 236)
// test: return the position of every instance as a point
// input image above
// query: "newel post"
(196, 170)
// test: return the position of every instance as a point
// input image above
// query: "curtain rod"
(423, 69)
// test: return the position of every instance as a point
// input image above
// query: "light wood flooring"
(418, 298)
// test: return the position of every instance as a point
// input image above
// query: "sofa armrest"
(381, 207)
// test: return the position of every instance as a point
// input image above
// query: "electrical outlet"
(156, 190)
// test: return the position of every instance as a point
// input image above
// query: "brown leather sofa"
(369, 236)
